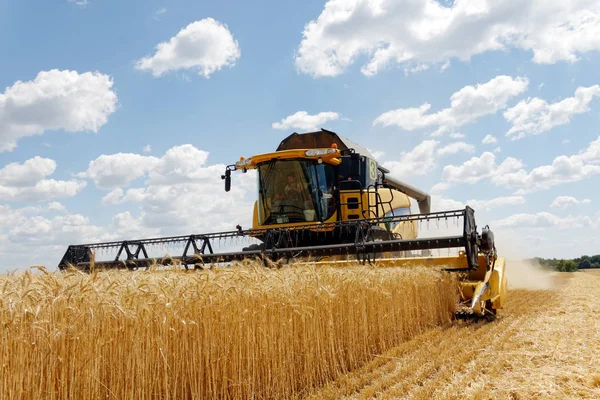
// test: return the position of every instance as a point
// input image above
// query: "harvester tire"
(254, 247)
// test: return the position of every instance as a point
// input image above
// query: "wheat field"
(240, 332)
(545, 345)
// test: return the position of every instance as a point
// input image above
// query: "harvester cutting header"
(324, 199)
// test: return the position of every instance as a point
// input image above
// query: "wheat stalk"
(239, 332)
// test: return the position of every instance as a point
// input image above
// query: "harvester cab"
(324, 199)
(320, 179)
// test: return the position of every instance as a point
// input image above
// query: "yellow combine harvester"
(325, 199)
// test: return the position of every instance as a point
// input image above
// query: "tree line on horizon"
(566, 265)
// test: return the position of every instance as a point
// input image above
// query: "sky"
(117, 118)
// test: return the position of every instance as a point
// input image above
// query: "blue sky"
(99, 144)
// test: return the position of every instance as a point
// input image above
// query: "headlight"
(244, 163)
(319, 152)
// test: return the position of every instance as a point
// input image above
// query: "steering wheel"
(285, 208)
(280, 206)
(295, 210)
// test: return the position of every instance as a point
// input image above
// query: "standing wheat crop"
(241, 332)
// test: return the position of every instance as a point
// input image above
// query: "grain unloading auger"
(325, 200)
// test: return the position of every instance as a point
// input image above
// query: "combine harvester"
(325, 199)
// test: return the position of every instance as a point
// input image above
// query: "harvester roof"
(320, 140)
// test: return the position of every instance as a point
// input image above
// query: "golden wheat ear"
(241, 332)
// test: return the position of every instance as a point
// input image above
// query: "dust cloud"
(522, 274)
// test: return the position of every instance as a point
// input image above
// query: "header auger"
(325, 200)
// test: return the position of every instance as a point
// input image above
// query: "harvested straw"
(242, 332)
(545, 345)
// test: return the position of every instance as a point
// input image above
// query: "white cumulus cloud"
(178, 193)
(28, 181)
(80, 3)
(489, 139)
(511, 173)
(466, 105)
(535, 116)
(543, 220)
(563, 169)
(55, 100)
(49, 229)
(417, 33)
(442, 203)
(113, 197)
(377, 154)
(159, 13)
(496, 202)
(178, 165)
(417, 162)
(119, 169)
(567, 201)
(478, 168)
(456, 147)
(183, 164)
(203, 46)
(440, 187)
(304, 121)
